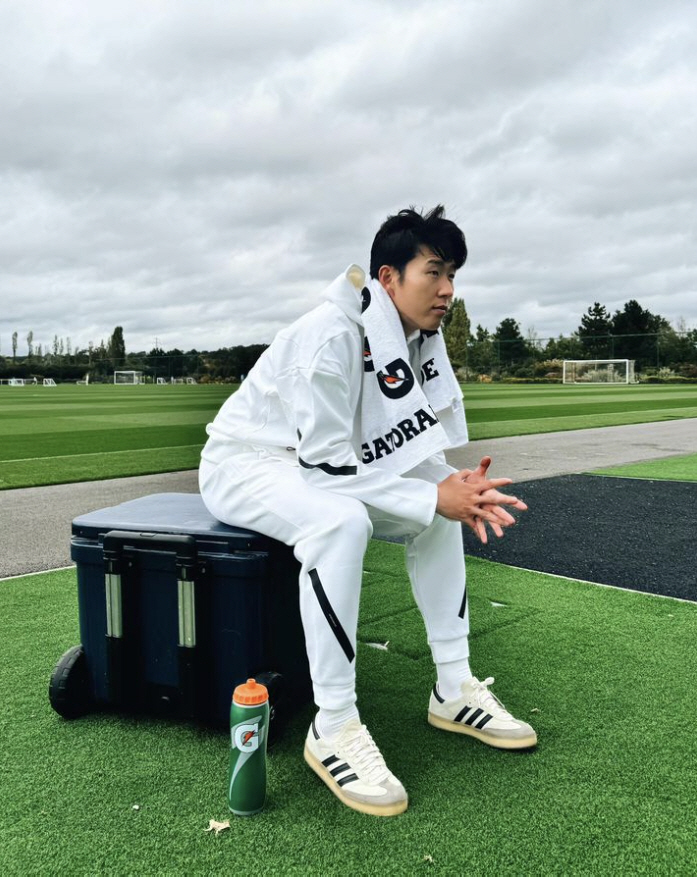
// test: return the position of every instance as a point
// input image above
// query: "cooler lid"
(182, 513)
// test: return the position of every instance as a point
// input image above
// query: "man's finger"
(497, 529)
(494, 497)
(484, 464)
(493, 483)
(505, 518)
(476, 525)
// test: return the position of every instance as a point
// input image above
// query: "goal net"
(128, 377)
(49, 382)
(598, 371)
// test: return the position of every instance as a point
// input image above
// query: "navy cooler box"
(175, 610)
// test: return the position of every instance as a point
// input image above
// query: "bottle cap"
(250, 693)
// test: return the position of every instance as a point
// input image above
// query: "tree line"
(659, 350)
(63, 362)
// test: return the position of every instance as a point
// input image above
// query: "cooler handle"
(184, 548)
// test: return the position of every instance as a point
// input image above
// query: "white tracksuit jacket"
(303, 396)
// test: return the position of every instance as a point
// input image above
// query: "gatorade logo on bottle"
(245, 736)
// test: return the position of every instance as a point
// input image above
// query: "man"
(338, 434)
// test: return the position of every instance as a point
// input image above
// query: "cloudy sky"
(197, 172)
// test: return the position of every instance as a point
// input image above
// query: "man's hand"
(470, 497)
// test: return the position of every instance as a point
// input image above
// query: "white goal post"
(129, 378)
(598, 371)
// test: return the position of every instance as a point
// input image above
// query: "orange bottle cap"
(250, 693)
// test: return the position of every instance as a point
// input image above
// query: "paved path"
(529, 457)
(35, 522)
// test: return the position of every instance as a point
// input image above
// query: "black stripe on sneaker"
(314, 730)
(436, 695)
(330, 760)
(340, 769)
(475, 715)
(330, 615)
(463, 712)
(349, 779)
(482, 722)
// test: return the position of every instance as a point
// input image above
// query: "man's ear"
(388, 276)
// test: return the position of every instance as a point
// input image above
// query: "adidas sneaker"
(478, 713)
(354, 769)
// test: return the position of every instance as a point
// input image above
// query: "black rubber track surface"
(626, 532)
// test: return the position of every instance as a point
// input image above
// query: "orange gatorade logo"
(245, 736)
(396, 380)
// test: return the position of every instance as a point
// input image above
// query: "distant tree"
(638, 329)
(564, 348)
(509, 343)
(233, 363)
(534, 343)
(482, 355)
(594, 332)
(14, 346)
(457, 333)
(116, 348)
(30, 344)
(677, 348)
(55, 345)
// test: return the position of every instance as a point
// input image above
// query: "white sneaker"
(353, 768)
(480, 714)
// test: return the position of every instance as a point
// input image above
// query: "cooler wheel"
(68, 690)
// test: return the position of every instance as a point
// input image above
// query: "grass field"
(678, 468)
(53, 435)
(606, 677)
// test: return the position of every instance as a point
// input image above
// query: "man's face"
(424, 292)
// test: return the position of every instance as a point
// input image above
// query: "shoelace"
(364, 756)
(488, 700)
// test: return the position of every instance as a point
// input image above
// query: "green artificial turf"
(606, 677)
(678, 468)
(54, 435)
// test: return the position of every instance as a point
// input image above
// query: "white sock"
(330, 722)
(451, 676)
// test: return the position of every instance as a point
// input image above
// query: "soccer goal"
(49, 382)
(128, 377)
(598, 371)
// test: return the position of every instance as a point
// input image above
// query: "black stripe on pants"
(330, 615)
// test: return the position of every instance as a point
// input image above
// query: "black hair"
(401, 237)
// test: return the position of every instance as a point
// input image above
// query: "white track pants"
(329, 534)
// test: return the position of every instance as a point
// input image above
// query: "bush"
(531, 380)
(669, 379)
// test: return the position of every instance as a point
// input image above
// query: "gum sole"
(370, 809)
(446, 725)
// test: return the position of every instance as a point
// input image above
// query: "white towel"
(403, 422)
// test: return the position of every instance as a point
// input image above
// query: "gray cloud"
(199, 173)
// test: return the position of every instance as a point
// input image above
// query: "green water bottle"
(249, 724)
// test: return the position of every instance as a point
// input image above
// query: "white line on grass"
(37, 572)
(99, 454)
